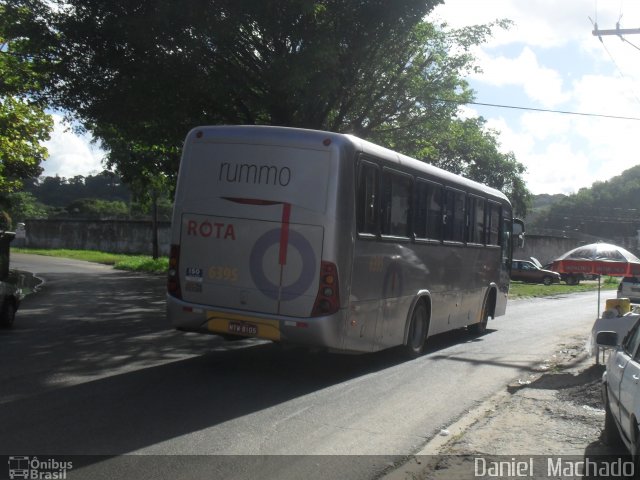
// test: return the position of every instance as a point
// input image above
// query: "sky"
(548, 60)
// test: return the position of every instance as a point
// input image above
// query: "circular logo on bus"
(307, 273)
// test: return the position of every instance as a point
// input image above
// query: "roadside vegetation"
(136, 263)
(144, 263)
(531, 290)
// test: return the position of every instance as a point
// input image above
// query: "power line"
(546, 110)
(627, 41)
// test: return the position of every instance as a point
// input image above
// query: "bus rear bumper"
(327, 332)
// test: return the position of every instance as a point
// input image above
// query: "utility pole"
(616, 31)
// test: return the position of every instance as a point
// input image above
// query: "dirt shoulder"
(555, 412)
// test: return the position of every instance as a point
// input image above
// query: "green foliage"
(96, 208)
(143, 264)
(528, 290)
(98, 196)
(23, 205)
(23, 126)
(23, 123)
(140, 74)
(139, 263)
(164, 206)
(608, 209)
(60, 191)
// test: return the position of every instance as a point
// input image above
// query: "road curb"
(427, 459)
(415, 465)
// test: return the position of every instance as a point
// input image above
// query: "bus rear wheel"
(480, 327)
(418, 328)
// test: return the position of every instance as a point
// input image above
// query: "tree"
(60, 191)
(96, 208)
(23, 123)
(23, 205)
(607, 209)
(141, 73)
(468, 148)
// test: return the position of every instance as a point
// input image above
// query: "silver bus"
(327, 240)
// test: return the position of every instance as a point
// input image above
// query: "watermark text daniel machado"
(553, 467)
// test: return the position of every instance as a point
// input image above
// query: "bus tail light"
(328, 298)
(173, 278)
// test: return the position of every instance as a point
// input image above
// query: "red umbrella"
(598, 259)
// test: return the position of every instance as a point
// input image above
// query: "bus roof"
(300, 136)
(444, 175)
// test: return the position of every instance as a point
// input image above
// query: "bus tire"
(480, 327)
(418, 329)
(7, 314)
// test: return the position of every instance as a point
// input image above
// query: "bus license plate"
(243, 328)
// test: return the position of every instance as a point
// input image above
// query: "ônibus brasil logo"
(32, 468)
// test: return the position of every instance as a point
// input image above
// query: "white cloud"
(546, 126)
(550, 166)
(539, 23)
(607, 95)
(565, 153)
(71, 154)
(559, 168)
(550, 60)
(541, 84)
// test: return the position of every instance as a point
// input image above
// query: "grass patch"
(529, 290)
(134, 263)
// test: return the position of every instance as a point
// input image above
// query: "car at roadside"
(630, 288)
(621, 389)
(529, 272)
(10, 290)
(10, 296)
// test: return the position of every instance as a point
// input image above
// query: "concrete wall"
(547, 248)
(116, 236)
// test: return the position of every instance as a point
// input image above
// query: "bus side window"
(367, 201)
(420, 210)
(434, 217)
(454, 221)
(395, 203)
(428, 210)
(475, 231)
(493, 224)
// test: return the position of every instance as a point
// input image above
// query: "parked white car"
(630, 288)
(621, 389)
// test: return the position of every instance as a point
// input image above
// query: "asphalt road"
(92, 368)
